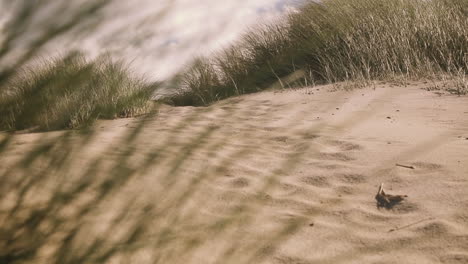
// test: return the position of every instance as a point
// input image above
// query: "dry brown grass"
(340, 40)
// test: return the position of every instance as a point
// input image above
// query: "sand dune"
(273, 177)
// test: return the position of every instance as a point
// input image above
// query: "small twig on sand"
(405, 166)
(412, 224)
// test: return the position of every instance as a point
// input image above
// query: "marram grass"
(337, 40)
(71, 92)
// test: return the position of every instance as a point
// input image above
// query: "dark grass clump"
(71, 92)
(338, 40)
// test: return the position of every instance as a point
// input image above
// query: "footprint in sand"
(351, 178)
(309, 136)
(335, 156)
(280, 138)
(325, 166)
(405, 207)
(316, 181)
(240, 182)
(423, 168)
(338, 150)
(344, 190)
(344, 145)
(427, 166)
(455, 258)
(435, 229)
(289, 260)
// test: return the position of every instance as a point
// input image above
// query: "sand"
(273, 177)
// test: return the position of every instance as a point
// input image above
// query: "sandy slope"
(287, 177)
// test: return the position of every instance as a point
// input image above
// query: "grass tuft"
(71, 92)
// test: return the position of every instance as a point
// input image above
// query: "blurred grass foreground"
(64, 92)
(128, 195)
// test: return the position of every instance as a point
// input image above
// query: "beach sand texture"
(284, 177)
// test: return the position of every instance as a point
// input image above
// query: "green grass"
(334, 41)
(71, 92)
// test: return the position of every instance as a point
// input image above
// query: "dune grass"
(71, 92)
(337, 40)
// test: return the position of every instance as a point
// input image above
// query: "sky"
(158, 38)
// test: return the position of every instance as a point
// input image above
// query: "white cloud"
(160, 37)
